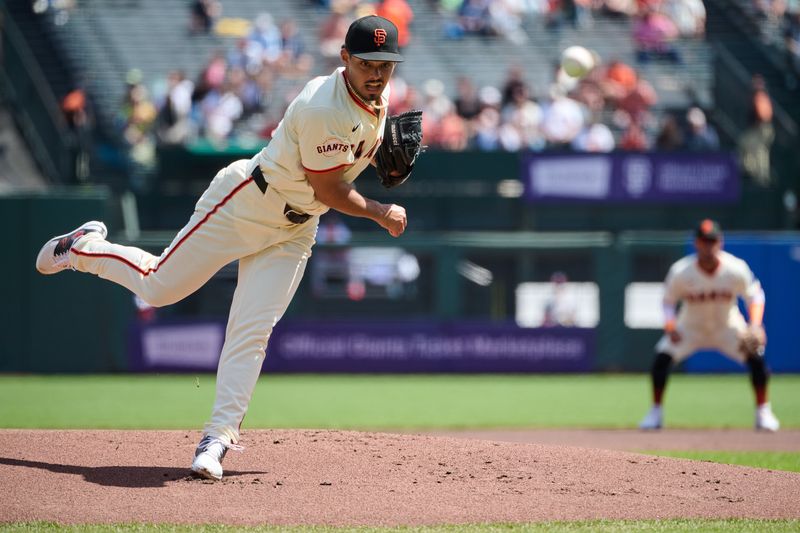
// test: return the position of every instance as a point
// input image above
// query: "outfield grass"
(592, 526)
(774, 460)
(378, 402)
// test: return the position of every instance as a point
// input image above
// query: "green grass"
(389, 402)
(774, 460)
(592, 526)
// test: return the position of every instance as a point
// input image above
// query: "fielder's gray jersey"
(325, 128)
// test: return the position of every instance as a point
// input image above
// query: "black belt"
(295, 217)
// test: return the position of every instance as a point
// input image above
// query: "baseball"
(577, 61)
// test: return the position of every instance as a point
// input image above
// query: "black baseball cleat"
(54, 255)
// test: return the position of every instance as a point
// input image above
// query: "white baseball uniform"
(709, 317)
(326, 127)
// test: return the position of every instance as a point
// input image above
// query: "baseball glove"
(402, 143)
(753, 340)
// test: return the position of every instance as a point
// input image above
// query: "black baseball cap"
(708, 230)
(373, 38)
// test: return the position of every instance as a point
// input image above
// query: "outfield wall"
(461, 282)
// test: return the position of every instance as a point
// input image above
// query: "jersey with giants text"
(709, 299)
(326, 127)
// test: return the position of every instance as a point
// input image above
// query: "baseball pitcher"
(264, 212)
(707, 285)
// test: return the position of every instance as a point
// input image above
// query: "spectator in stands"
(524, 117)
(435, 106)
(453, 132)
(60, 9)
(75, 110)
(754, 144)
(618, 80)
(554, 14)
(267, 99)
(211, 78)
(635, 106)
(246, 90)
(399, 12)
(221, 108)
(515, 77)
(634, 138)
(589, 90)
(701, 136)
(487, 129)
(670, 136)
(239, 57)
(264, 41)
(76, 113)
(294, 61)
(689, 16)
(653, 35)
(791, 38)
(620, 8)
(506, 20)
(404, 97)
(474, 18)
(597, 137)
(436, 103)
(203, 14)
(137, 118)
(332, 32)
(562, 121)
(582, 13)
(467, 103)
(559, 309)
(174, 124)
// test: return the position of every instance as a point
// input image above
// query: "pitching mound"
(352, 478)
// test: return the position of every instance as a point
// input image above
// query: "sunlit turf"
(773, 460)
(390, 401)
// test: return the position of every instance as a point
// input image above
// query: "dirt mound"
(354, 478)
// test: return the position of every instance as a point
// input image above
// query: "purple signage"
(375, 347)
(631, 177)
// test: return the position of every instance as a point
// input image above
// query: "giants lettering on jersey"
(331, 147)
(711, 296)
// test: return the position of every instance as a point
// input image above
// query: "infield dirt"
(354, 478)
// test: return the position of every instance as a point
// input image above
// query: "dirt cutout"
(288, 477)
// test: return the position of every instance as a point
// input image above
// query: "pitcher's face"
(367, 78)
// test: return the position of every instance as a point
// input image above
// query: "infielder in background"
(708, 284)
(264, 212)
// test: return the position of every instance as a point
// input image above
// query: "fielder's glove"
(402, 143)
(753, 340)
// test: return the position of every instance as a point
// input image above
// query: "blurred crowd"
(656, 23)
(779, 21)
(242, 92)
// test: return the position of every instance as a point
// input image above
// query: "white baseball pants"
(232, 220)
(693, 338)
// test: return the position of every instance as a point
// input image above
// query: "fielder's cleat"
(653, 420)
(766, 419)
(54, 255)
(208, 457)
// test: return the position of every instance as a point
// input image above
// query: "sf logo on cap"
(380, 36)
